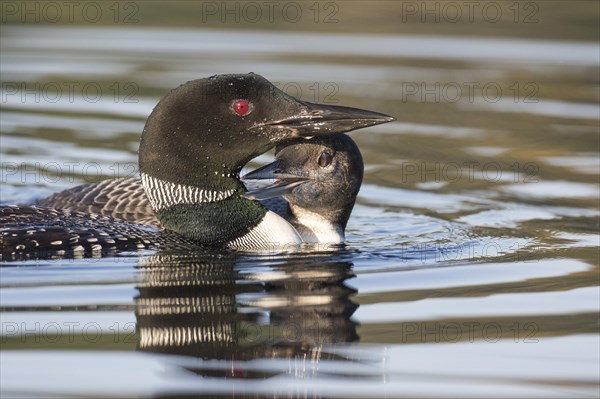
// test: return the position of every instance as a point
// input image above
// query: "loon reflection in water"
(211, 310)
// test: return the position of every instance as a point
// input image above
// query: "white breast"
(272, 232)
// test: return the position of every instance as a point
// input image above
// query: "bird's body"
(40, 232)
(123, 199)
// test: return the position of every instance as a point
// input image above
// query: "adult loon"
(193, 146)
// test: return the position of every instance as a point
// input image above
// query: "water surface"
(472, 260)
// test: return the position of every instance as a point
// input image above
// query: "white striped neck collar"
(163, 194)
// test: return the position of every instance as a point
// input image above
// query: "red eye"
(242, 107)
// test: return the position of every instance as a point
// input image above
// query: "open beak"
(311, 119)
(286, 181)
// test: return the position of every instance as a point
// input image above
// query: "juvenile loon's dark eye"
(242, 107)
(325, 159)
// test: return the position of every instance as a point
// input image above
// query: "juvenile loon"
(193, 146)
(319, 178)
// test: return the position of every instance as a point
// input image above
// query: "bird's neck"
(209, 216)
(164, 194)
(314, 227)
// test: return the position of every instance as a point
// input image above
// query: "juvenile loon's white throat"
(315, 229)
(164, 194)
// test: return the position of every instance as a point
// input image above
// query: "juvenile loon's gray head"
(320, 179)
(200, 135)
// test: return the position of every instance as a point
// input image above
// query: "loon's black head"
(321, 176)
(201, 134)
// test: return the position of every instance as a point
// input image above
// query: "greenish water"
(472, 261)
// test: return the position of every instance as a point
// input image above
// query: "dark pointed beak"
(286, 181)
(317, 119)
